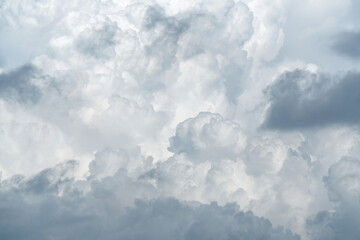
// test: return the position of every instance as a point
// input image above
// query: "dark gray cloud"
(52, 205)
(300, 99)
(16, 85)
(348, 44)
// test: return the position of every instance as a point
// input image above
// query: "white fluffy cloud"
(163, 107)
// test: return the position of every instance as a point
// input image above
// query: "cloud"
(213, 160)
(98, 42)
(160, 103)
(125, 78)
(53, 205)
(343, 184)
(347, 44)
(208, 137)
(300, 99)
(343, 181)
(17, 85)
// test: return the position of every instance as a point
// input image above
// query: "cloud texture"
(179, 119)
(52, 205)
(302, 99)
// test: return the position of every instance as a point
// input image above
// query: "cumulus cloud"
(208, 137)
(104, 68)
(52, 205)
(343, 183)
(301, 99)
(160, 104)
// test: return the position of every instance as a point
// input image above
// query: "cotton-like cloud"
(52, 205)
(301, 99)
(267, 174)
(343, 183)
(160, 104)
(208, 137)
(104, 68)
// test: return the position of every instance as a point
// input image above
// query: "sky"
(185, 120)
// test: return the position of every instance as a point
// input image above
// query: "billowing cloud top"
(179, 119)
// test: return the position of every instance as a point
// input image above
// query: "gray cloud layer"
(300, 99)
(52, 205)
(348, 44)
